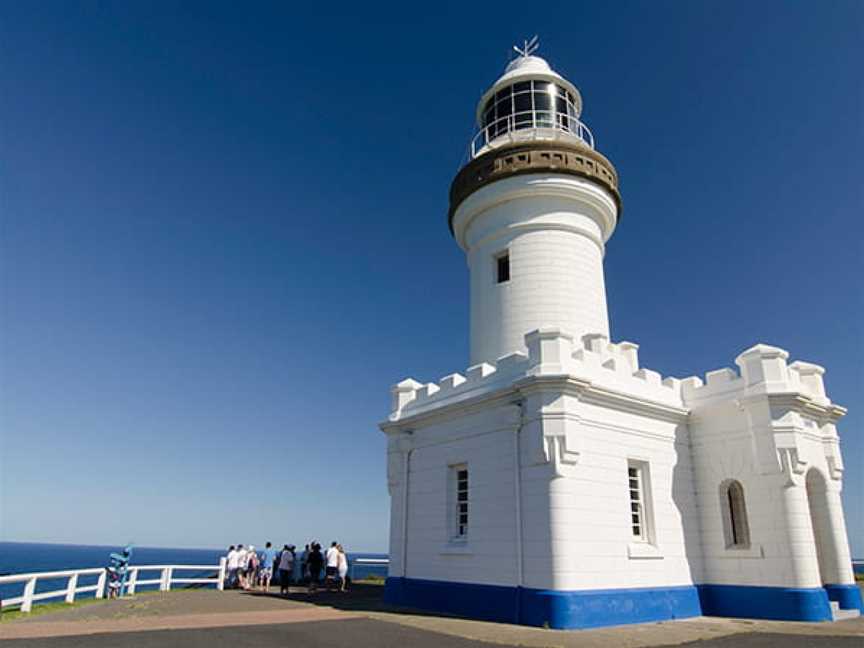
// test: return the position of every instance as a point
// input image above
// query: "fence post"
(133, 580)
(165, 585)
(220, 584)
(71, 586)
(100, 584)
(29, 591)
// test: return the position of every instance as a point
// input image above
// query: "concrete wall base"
(546, 608)
(608, 607)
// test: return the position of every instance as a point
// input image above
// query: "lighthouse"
(557, 482)
(532, 211)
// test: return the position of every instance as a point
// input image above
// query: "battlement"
(615, 366)
(551, 351)
(762, 369)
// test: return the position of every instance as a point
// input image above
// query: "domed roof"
(528, 63)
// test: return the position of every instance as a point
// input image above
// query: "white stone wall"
(555, 228)
(582, 409)
(590, 526)
(560, 550)
(573, 468)
(750, 428)
(484, 442)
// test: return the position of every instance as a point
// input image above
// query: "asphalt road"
(363, 633)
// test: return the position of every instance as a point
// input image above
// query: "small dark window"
(735, 525)
(503, 263)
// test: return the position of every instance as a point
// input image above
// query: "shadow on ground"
(361, 597)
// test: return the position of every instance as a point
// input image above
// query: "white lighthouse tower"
(533, 211)
(555, 481)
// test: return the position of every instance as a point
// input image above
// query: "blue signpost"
(118, 567)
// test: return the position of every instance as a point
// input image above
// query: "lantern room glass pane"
(527, 105)
(542, 101)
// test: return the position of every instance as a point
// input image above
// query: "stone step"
(842, 615)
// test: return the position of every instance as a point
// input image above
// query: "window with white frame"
(640, 504)
(459, 502)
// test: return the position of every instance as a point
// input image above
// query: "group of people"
(249, 569)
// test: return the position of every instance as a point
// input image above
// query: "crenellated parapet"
(599, 366)
(783, 403)
(787, 412)
(762, 369)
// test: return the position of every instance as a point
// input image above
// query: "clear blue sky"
(224, 236)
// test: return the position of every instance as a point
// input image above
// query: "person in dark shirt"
(316, 562)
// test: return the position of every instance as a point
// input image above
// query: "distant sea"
(26, 557)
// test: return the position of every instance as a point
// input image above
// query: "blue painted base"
(597, 608)
(847, 596)
(545, 608)
(778, 603)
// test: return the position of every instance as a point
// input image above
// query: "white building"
(555, 481)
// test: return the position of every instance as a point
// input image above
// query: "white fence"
(165, 581)
(370, 562)
(164, 576)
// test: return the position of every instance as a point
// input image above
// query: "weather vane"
(528, 47)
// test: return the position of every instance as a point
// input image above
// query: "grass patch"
(44, 608)
(10, 614)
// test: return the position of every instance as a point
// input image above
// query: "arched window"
(735, 526)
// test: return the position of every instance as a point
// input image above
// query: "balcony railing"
(530, 125)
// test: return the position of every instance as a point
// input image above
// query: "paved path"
(107, 627)
(192, 618)
(363, 632)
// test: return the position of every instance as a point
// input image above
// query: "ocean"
(26, 557)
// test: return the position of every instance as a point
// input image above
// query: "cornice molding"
(533, 157)
(799, 403)
(583, 389)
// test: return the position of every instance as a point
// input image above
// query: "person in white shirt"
(252, 564)
(242, 559)
(343, 568)
(232, 564)
(332, 571)
(286, 569)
